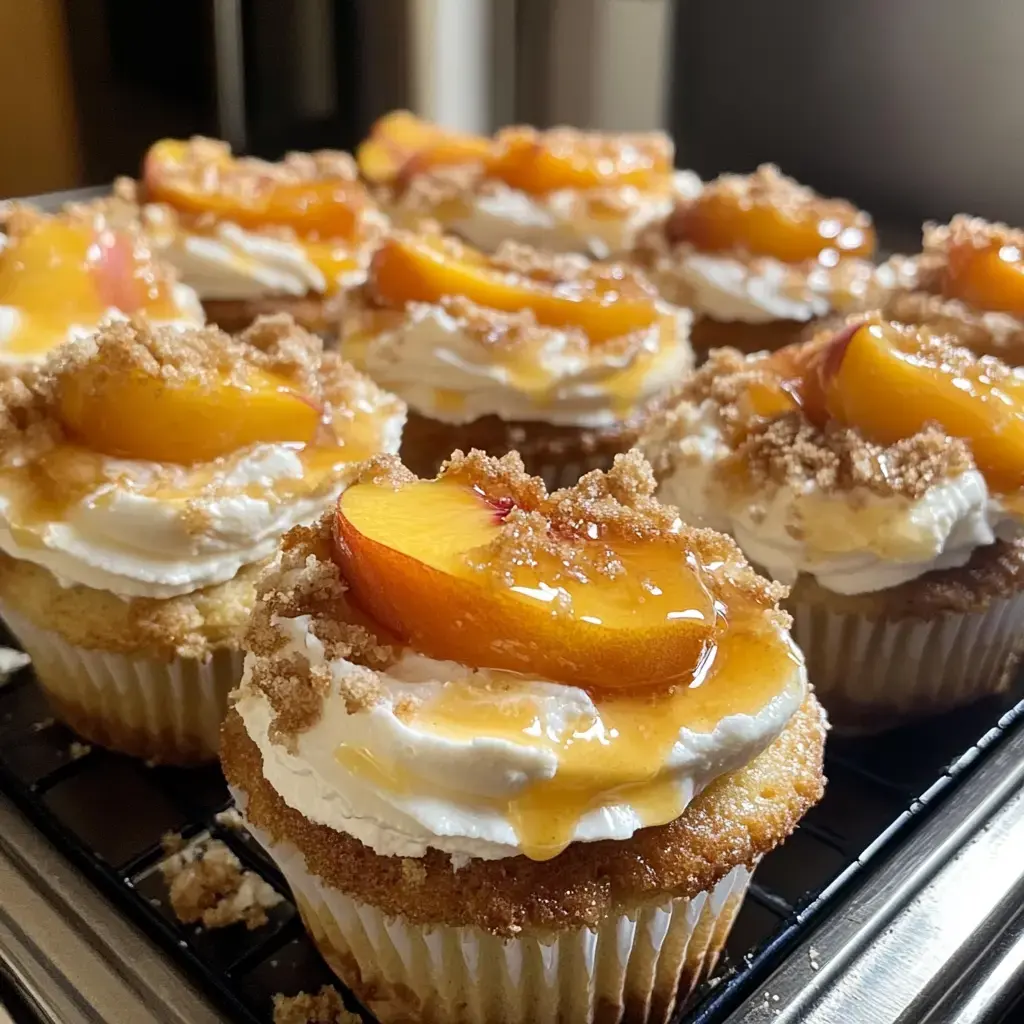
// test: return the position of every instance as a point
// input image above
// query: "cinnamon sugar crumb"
(326, 1007)
(207, 884)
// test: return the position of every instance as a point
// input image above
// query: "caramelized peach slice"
(990, 278)
(59, 273)
(720, 222)
(876, 379)
(539, 163)
(400, 145)
(136, 416)
(411, 557)
(238, 191)
(412, 270)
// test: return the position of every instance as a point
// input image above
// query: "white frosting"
(729, 289)
(189, 314)
(851, 542)
(463, 784)
(564, 222)
(120, 539)
(430, 355)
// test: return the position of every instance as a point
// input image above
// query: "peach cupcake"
(552, 356)
(254, 237)
(562, 190)
(760, 258)
(880, 471)
(145, 476)
(968, 280)
(517, 754)
(62, 274)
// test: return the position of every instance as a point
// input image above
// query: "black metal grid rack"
(108, 813)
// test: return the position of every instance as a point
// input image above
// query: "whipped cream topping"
(851, 542)
(762, 290)
(604, 223)
(441, 370)
(452, 789)
(135, 538)
(230, 262)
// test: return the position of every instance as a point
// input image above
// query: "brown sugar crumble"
(323, 1007)
(788, 450)
(207, 885)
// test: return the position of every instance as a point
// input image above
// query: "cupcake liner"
(560, 455)
(872, 673)
(167, 711)
(636, 968)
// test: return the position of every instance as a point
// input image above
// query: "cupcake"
(550, 355)
(517, 754)
(562, 190)
(146, 474)
(254, 237)
(62, 274)
(759, 258)
(879, 472)
(969, 280)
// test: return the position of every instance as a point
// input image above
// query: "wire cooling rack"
(108, 814)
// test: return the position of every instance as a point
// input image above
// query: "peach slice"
(401, 145)
(415, 559)
(413, 270)
(991, 278)
(238, 191)
(136, 416)
(720, 222)
(876, 379)
(539, 163)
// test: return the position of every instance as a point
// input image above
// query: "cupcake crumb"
(77, 750)
(11, 661)
(207, 884)
(230, 818)
(325, 1007)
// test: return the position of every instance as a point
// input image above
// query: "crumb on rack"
(326, 1007)
(208, 885)
(230, 818)
(78, 749)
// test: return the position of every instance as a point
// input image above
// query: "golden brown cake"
(561, 190)
(760, 259)
(145, 475)
(879, 471)
(553, 356)
(254, 237)
(517, 753)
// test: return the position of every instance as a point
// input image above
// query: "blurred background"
(910, 108)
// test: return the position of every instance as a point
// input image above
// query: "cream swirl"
(851, 541)
(464, 782)
(433, 362)
(604, 223)
(145, 534)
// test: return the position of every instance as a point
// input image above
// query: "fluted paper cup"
(872, 673)
(166, 711)
(636, 968)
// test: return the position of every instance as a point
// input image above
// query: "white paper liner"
(872, 673)
(637, 968)
(168, 711)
